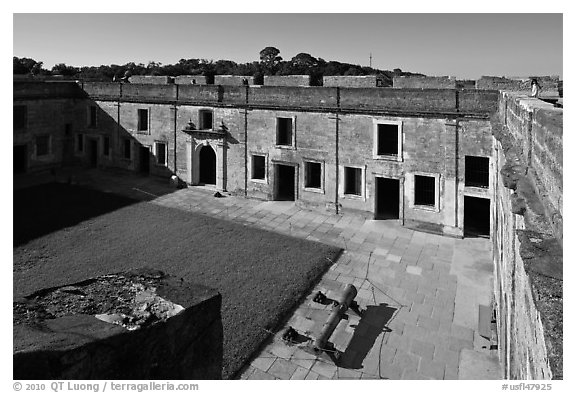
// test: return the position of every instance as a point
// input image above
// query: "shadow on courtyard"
(47, 208)
(371, 325)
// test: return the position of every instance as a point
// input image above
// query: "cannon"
(338, 311)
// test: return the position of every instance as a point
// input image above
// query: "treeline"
(271, 63)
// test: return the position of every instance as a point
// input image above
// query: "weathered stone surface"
(529, 255)
(187, 345)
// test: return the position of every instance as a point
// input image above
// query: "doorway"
(476, 217)
(284, 184)
(207, 165)
(93, 152)
(387, 203)
(144, 159)
(20, 159)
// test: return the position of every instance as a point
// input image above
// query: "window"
(142, 120)
(92, 116)
(206, 119)
(352, 181)
(20, 117)
(127, 149)
(67, 129)
(160, 148)
(258, 167)
(312, 174)
(42, 145)
(106, 143)
(477, 172)
(387, 140)
(424, 190)
(80, 142)
(284, 131)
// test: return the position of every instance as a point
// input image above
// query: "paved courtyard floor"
(419, 294)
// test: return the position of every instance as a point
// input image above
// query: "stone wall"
(528, 253)
(151, 79)
(233, 80)
(190, 80)
(424, 82)
(287, 80)
(356, 81)
(248, 115)
(550, 85)
(536, 128)
(52, 109)
(429, 135)
(188, 345)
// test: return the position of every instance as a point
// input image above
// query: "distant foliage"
(27, 66)
(271, 63)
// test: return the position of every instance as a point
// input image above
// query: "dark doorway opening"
(284, 183)
(207, 165)
(144, 159)
(387, 199)
(20, 159)
(93, 152)
(476, 217)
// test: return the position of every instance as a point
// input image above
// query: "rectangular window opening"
(477, 171)
(313, 175)
(353, 181)
(106, 146)
(127, 149)
(80, 142)
(20, 117)
(92, 116)
(161, 153)
(206, 120)
(42, 145)
(284, 131)
(387, 140)
(424, 190)
(142, 120)
(258, 167)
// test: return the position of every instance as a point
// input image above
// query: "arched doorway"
(207, 165)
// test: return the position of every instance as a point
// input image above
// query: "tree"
(64, 70)
(26, 65)
(304, 60)
(269, 57)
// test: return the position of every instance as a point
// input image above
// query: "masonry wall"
(151, 79)
(53, 110)
(287, 80)
(549, 84)
(433, 142)
(355, 81)
(232, 80)
(188, 79)
(536, 128)
(424, 82)
(527, 257)
(188, 345)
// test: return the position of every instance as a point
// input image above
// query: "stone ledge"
(540, 250)
(188, 345)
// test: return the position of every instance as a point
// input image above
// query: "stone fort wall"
(527, 237)
(335, 127)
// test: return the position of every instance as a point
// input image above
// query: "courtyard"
(424, 296)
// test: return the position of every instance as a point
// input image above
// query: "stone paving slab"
(420, 292)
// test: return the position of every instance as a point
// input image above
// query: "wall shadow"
(371, 325)
(48, 208)
(41, 207)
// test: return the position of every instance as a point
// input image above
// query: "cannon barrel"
(338, 312)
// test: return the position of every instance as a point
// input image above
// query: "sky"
(461, 45)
